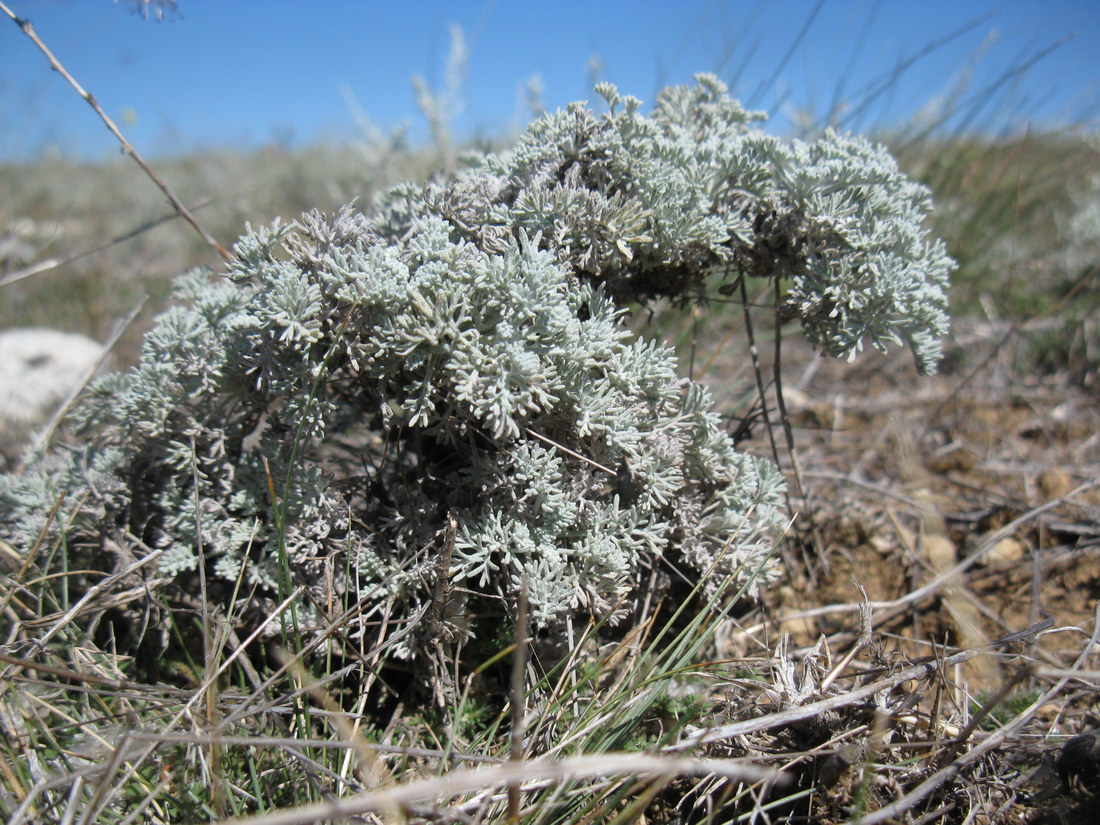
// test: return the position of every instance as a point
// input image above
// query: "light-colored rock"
(1008, 550)
(1055, 483)
(38, 369)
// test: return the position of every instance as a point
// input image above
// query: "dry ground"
(959, 509)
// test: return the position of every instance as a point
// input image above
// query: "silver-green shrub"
(457, 355)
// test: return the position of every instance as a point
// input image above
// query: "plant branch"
(54, 263)
(55, 64)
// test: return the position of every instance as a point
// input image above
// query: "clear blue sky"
(250, 72)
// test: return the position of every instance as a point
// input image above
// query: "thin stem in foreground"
(55, 64)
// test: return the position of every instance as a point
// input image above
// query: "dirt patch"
(962, 510)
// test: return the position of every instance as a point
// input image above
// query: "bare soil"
(959, 509)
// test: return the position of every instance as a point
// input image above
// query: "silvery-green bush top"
(457, 354)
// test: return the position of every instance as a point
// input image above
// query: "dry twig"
(55, 64)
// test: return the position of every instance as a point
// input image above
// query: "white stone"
(38, 369)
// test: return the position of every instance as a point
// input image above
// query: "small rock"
(1055, 483)
(38, 369)
(1005, 551)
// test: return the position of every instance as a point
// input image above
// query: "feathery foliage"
(457, 355)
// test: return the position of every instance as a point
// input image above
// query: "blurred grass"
(57, 208)
(1020, 214)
